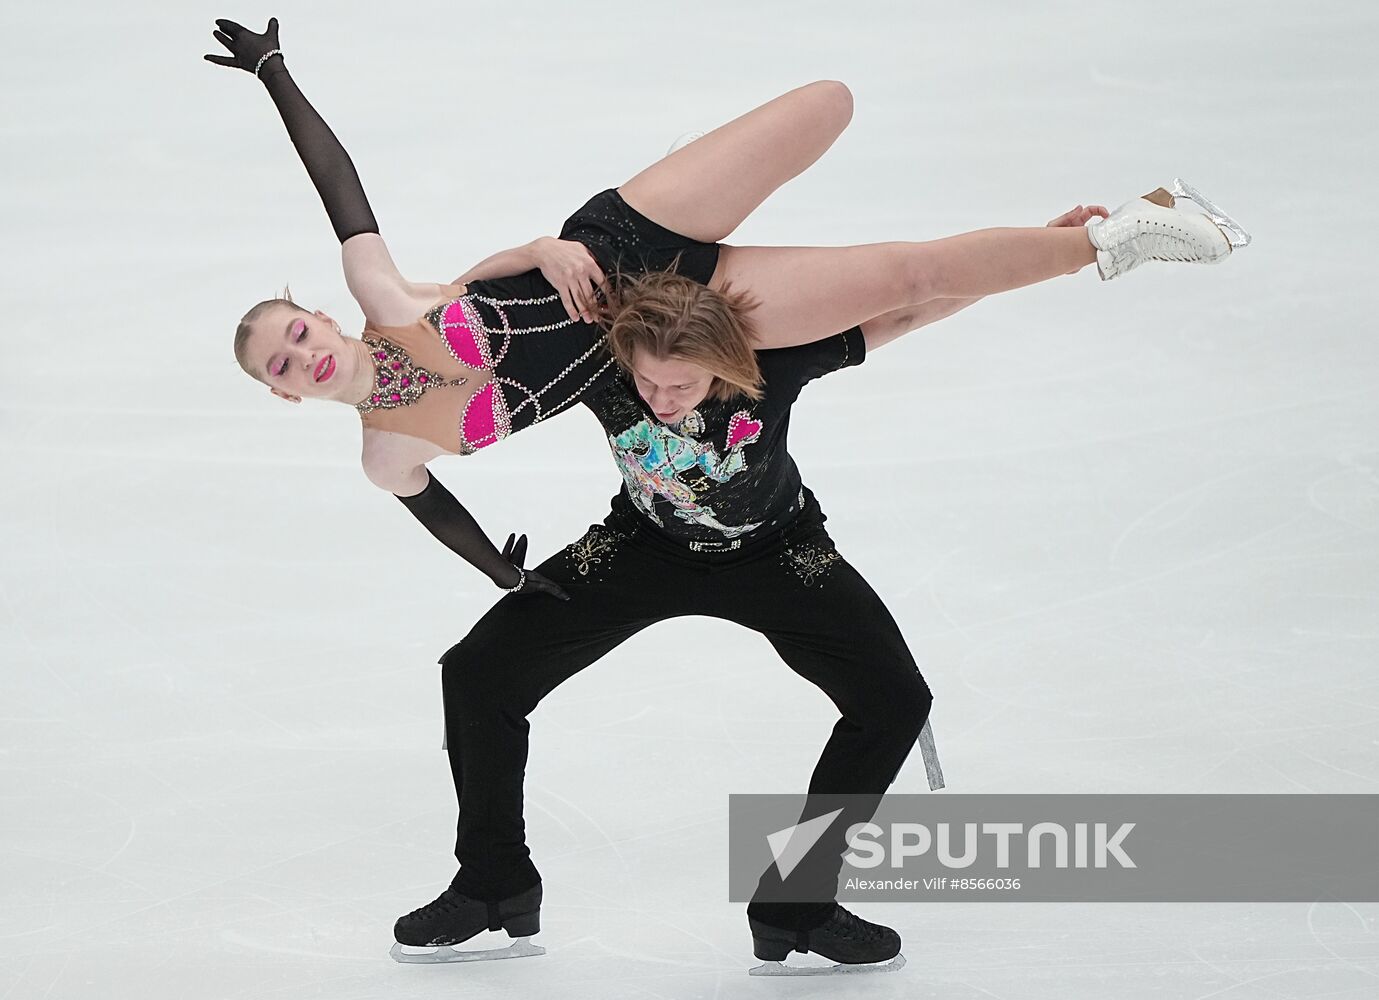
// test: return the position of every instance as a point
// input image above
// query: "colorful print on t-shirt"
(652, 458)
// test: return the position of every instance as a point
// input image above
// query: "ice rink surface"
(1131, 529)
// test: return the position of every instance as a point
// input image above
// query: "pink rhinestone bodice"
(456, 332)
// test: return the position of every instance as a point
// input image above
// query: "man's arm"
(503, 264)
(567, 265)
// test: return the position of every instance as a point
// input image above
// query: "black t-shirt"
(722, 471)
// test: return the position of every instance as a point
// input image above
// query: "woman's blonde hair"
(246, 326)
(671, 316)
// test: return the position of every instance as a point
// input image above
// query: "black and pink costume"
(538, 361)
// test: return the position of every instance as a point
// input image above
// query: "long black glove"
(445, 517)
(326, 161)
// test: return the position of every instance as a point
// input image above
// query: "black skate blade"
(781, 969)
(520, 948)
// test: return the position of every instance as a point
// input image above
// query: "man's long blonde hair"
(670, 316)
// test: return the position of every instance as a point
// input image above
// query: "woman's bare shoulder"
(397, 462)
(385, 296)
(404, 305)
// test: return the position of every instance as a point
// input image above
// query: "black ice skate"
(453, 918)
(857, 945)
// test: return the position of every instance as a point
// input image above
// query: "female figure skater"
(452, 368)
(713, 520)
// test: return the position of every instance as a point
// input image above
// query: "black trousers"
(792, 586)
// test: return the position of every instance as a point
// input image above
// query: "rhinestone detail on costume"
(487, 417)
(465, 334)
(397, 380)
(597, 546)
(810, 561)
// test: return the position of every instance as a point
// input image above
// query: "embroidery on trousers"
(810, 562)
(596, 548)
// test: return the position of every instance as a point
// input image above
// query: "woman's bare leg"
(806, 293)
(706, 189)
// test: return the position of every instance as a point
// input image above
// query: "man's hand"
(572, 271)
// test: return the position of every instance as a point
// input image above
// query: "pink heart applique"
(742, 429)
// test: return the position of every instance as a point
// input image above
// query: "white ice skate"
(1153, 228)
(520, 948)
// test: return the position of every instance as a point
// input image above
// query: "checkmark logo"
(789, 846)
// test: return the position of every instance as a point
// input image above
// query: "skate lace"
(1163, 241)
(1166, 246)
(853, 928)
(446, 902)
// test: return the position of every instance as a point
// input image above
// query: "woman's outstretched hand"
(1078, 217)
(572, 271)
(515, 551)
(246, 47)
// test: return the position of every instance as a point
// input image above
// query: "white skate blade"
(1234, 233)
(520, 948)
(781, 969)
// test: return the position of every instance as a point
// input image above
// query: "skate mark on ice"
(1163, 429)
(1369, 778)
(1351, 470)
(1129, 529)
(598, 828)
(932, 588)
(674, 963)
(1288, 777)
(1312, 929)
(1184, 91)
(1118, 588)
(218, 883)
(39, 657)
(239, 939)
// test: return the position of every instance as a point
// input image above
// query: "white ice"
(1131, 529)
